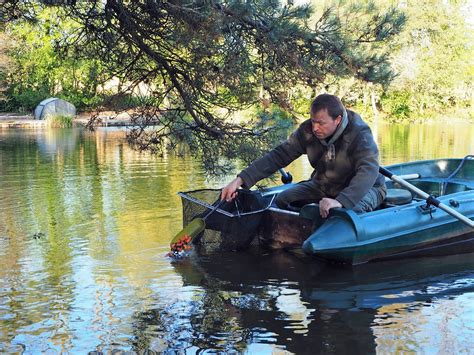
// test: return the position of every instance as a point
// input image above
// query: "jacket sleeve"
(277, 158)
(366, 164)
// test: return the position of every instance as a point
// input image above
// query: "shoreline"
(14, 120)
(111, 119)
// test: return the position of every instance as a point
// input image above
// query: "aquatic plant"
(59, 121)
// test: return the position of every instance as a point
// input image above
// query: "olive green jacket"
(347, 178)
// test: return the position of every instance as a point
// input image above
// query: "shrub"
(397, 105)
(26, 100)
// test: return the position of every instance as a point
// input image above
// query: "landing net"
(233, 226)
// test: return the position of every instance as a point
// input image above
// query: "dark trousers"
(310, 192)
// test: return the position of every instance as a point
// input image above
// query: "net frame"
(233, 226)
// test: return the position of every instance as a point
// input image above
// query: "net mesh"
(233, 226)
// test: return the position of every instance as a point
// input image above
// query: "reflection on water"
(86, 223)
(301, 305)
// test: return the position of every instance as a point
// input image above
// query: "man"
(341, 149)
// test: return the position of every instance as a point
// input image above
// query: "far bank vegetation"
(194, 67)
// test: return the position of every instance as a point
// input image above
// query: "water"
(86, 224)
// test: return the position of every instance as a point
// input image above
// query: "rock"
(54, 107)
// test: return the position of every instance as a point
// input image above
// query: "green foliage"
(363, 109)
(202, 62)
(397, 105)
(433, 60)
(42, 68)
(277, 122)
(25, 100)
(81, 101)
(273, 126)
(59, 121)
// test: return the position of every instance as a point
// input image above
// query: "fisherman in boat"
(341, 149)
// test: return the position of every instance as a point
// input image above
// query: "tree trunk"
(373, 100)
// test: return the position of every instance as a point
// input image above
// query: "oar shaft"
(409, 186)
(407, 177)
(425, 196)
(283, 172)
(456, 214)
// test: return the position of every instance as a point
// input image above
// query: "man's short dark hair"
(327, 102)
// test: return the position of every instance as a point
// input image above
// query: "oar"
(196, 226)
(429, 199)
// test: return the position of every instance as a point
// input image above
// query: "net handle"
(218, 210)
(204, 204)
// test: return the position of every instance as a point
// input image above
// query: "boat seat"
(398, 197)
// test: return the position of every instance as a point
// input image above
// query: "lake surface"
(86, 224)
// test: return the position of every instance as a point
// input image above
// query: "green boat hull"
(394, 231)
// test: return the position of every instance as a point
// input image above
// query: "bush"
(81, 101)
(364, 110)
(27, 100)
(396, 105)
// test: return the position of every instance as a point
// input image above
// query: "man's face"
(323, 125)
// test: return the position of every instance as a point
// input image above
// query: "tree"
(202, 62)
(39, 68)
(433, 60)
(5, 64)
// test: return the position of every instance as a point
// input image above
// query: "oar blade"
(196, 226)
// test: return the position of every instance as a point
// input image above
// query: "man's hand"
(229, 192)
(326, 204)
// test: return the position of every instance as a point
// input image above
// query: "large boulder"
(54, 107)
